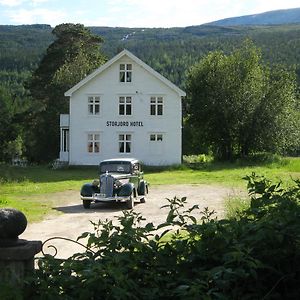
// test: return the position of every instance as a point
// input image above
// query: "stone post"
(16, 255)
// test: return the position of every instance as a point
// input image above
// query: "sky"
(132, 13)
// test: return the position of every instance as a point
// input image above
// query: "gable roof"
(136, 60)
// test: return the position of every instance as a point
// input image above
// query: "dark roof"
(132, 160)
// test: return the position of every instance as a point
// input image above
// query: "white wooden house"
(123, 109)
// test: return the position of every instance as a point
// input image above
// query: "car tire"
(86, 204)
(130, 203)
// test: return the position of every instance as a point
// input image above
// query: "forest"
(170, 51)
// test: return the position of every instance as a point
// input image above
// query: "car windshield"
(115, 167)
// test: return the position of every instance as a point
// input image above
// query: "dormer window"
(125, 72)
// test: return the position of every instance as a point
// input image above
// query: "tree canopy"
(7, 110)
(238, 105)
(72, 56)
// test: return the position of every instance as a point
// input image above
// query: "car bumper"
(100, 198)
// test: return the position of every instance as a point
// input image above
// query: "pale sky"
(132, 13)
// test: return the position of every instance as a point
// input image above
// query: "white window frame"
(93, 142)
(125, 72)
(156, 137)
(124, 141)
(65, 136)
(156, 143)
(125, 105)
(94, 105)
(156, 105)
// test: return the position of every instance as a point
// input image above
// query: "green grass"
(20, 187)
(23, 188)
(227, 174)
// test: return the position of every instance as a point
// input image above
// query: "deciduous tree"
(237, 105)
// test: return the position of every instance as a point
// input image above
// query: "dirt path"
(75, 219)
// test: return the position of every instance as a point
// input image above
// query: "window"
(156, 106)
(156, 146)
(156, 137)
(93, 142)
(125, 72)
(125, 143)
(125, 106)
(94, 105)
(64, 140)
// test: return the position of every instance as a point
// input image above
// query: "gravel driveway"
(75, 219)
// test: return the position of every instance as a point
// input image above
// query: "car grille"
(106, 185)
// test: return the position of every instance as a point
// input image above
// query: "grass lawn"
(20, 187)
(226, 174)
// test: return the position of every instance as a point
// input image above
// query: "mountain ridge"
(274, 17)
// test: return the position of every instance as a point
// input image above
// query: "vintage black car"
(121, 180)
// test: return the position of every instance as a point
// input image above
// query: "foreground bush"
(254, 256)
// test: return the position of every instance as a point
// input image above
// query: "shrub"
(253, 256)
(195, 159)
(14, 149)
(264, 158)
(199, 161)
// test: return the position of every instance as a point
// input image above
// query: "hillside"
(22, 46)
(170, 51)
(283, 16)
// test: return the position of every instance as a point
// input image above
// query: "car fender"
(126, 189)
(88, 189)
(142, 189)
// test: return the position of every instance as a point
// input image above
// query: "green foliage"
(238, 106)
(170, 51)
(9, 291)
(194, 159)
(189, 256)
(277, 116)
(264, 158)
(15, 148)
(11, 133)
(14, 112)
(74, 54)
(6, 115)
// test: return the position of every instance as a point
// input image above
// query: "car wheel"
(143, 200)
(130, 203)
(86, 204)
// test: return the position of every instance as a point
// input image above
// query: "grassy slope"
(20, 187)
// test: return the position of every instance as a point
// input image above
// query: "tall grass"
(234, 205)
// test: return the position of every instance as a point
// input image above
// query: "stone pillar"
(16, 255)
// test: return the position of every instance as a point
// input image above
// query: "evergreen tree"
(73, 55)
